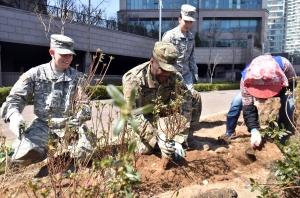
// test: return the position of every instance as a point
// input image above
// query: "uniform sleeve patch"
(24, 77)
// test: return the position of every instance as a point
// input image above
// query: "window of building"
(231, 4)
(153, 4)
(227, 25)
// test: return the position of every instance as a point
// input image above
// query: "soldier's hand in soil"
(255, 138)
(166, 148)
(179, 152)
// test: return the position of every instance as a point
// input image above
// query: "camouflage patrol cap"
(63, 44)
(188, 12)
(166, 54)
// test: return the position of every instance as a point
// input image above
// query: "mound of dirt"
(223, 166)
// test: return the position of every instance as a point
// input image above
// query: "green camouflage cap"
(166, 54)
(63, 44)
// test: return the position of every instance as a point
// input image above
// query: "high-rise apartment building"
(276, 26)
(293, 27)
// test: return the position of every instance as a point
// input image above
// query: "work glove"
(196, 78)
(75, 122)
(166, 148)
(15, 125)
(179, 152)
(82, 115)
(255, 138)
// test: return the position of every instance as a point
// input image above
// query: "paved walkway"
(213, 102)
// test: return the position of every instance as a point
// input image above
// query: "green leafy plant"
(275, 132)
(168, 117)
(127, 113)
(287, 171)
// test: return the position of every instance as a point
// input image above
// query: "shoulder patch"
(24, 77)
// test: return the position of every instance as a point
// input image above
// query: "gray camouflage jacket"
(52, 95)
(185, 44)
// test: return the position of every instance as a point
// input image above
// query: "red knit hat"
(264, 77)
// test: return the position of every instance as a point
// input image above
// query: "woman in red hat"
(266, 77)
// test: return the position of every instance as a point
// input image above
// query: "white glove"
(82, 115)
(196, 77)
(179, 152)
(78, 121)
(75, 122)
(255, 138)
(166, 148)
(16, 120)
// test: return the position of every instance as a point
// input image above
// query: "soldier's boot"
(31, 157)
(192, 143)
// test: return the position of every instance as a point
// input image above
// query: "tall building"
(293, 27)
(249, 15)
(276, 26)
(232, 21)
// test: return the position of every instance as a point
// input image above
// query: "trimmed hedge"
(100, 91)
(216, 87)
(4, 91)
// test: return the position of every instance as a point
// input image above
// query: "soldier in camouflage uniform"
(53, 86)
(153, 79)
(184, 41)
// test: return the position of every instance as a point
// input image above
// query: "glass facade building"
(231, 4)
(293, 27)
(276, 26)
(205, 4)
(153, 4)
(236, 20)
(245, 25)
(250, 25)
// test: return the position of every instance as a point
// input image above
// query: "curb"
(213, 114)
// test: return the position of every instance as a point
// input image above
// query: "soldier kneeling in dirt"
(158, 79)
(265, 77)
(54, 86)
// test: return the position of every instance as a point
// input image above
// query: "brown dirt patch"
(226, 163)
(224, 166)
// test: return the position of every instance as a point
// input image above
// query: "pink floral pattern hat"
(264, 78)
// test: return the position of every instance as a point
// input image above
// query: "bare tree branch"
(212, 32)
(238, 35)
(216, 61)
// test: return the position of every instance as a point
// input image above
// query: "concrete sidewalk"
(213, 102)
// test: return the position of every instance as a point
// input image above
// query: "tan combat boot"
(193, 143)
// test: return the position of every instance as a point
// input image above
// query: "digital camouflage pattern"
(197, 108)
(185, 44)
(148, 89)
(166, 54)
(186, 65)
(188, 12)
(63, 44)
(52, 104)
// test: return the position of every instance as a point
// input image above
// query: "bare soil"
(224, 166)
(220, 172)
